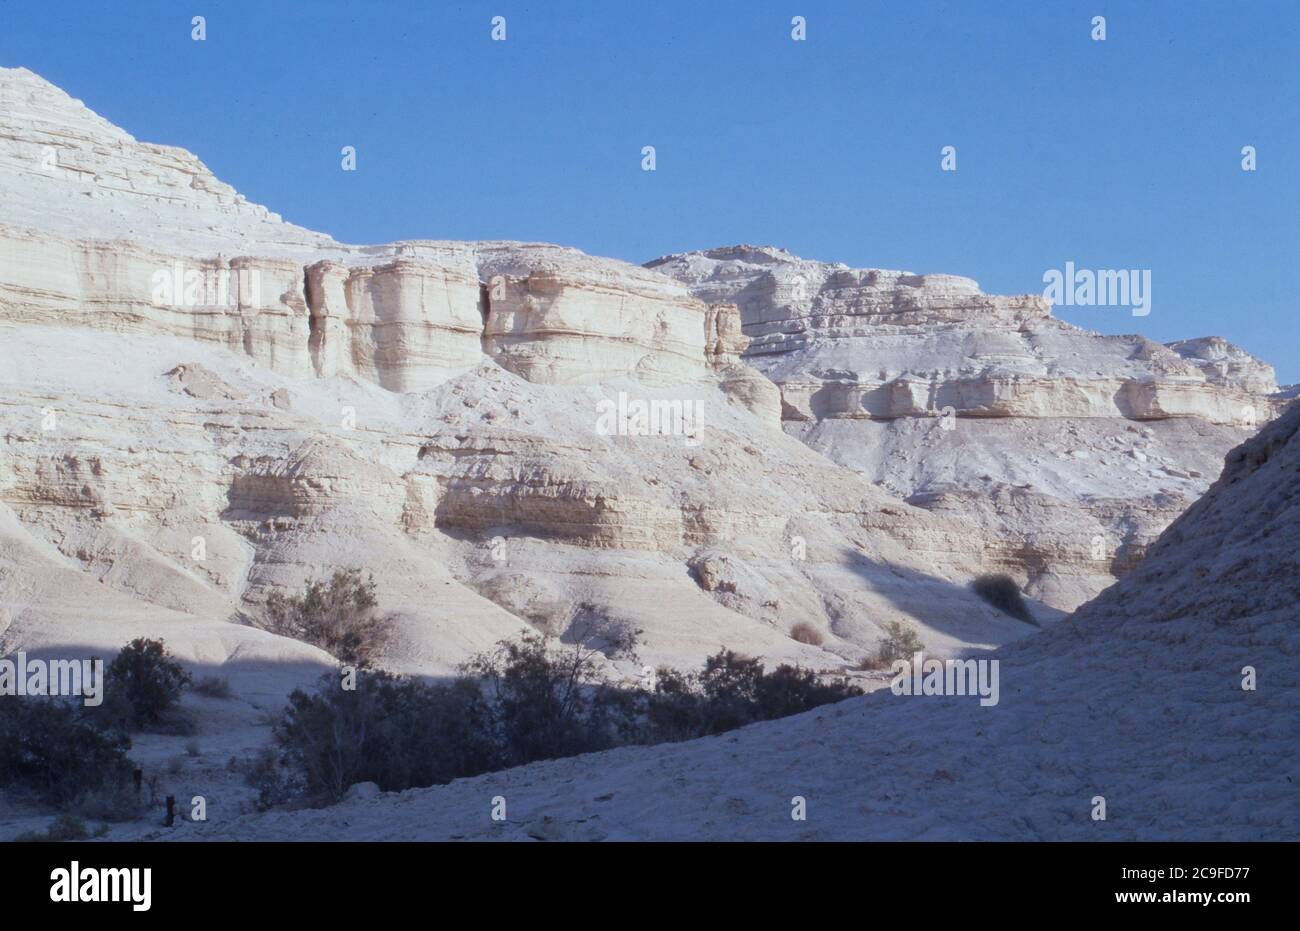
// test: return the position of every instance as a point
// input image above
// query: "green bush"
(149, 682)
(526, 700)
(58, 750)
(264, 774)
(547, 701)
(394, 732)
(731, 691)
(789, 690)
(338, 616)
(901, 642)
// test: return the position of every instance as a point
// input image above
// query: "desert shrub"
(394, 732)
(264, 774)
(115, 800)
(806, 633)
(900, 642)
(1002, 592)
(64, 827)
(688, 705)
(213, 687)
(729, 686)
(789, 690)
(531, 699)
(674, 711)
(58, 750)
(731, 691)
(547, 700)
(338, 616)
(147, 679)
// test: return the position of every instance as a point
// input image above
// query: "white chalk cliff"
(201, 403)
(1070, 451)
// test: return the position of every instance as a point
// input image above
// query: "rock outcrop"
(201, 404)
(1070, 450)
(492, 427)
(104, 231)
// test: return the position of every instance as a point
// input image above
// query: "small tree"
(147, 679)
(56, 749)
(731, 691)
(548, 700)
(394, 732)
(900, 642)
(729, 683)
(338, 616)
(789, 690)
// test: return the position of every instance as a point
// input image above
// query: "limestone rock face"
(69, 171)
(405, 324)
(201, 404)
(137, 238)
(1070, 450)
(1227, 365)
(724, 339)
(877, 344)
(561, 318)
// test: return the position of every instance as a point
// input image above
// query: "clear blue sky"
(1115, 154)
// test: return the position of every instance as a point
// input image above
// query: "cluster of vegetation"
(391, 731)
(901, 642)
(144, 683)
(535, 698)
(527, 700)
(64, 827)
(75, 757)
(337, 615)
(729, 692)
(806, 633)
(60, 750)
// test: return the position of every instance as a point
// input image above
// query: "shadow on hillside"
(935, 600)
